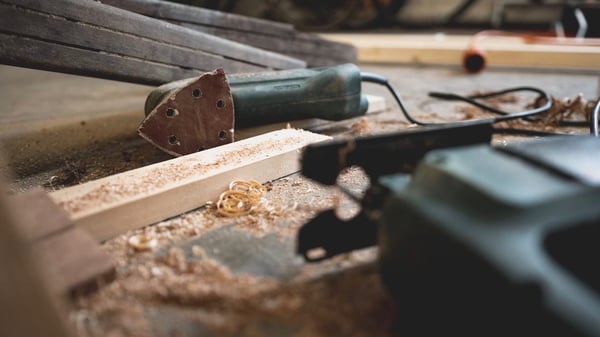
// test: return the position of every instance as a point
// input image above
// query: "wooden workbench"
(213, 275)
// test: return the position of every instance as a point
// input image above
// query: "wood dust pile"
(176, 294)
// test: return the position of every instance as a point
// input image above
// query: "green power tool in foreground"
(194, 114)
(473, 240)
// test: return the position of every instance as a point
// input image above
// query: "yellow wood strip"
(446, 49)
(110, 206)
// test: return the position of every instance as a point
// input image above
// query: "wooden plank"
(445, 49)
(73, 261)
(101, 15)
(316, 52)
(376, 104)
(110, 206)
(202, 16)
(40, 26)
(49, 117)
(28, 306)
(268, 35)
(105, 33)
(31, 53)
(40, 218)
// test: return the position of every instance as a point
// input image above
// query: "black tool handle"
(384, 154)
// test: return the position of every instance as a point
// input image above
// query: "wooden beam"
(202, 16)
(28, 308)
(312, 49)
(32, 53)
(94, 39)
(72, 260)
(449, 49)
(110, 206)
(35, 25)
(268, 35)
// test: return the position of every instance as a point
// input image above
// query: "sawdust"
(288, 203)
(360, 127)
(72, 173)
(340, 297)
(565, 109)
(562, 110)
(163, 175)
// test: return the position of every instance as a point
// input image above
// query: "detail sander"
(194, 114)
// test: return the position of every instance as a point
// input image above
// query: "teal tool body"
(194, 114)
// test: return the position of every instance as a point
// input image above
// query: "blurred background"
(319, 15)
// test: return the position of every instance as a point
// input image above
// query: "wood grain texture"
(76, 262)
(311, 48)
(36, 25)
(202, 16)
(446, 49)
(94, 39)
(101, 15)
(110, 206)
(39, 216)
(28, 306)
(72, 260)
(32, 53)
(268, 35)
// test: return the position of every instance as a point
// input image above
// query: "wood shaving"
(565, 109)
(142, 242)
(562, 110)
(339, 297)
(242, 197)
(360, 127)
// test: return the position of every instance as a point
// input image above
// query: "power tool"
(194, 114)
(473, 240)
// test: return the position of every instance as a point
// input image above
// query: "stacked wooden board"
(268, 35)
(29, 308)
(71, 259)
(93, 39)
(152, 42)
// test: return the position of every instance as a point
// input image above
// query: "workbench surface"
(57, 125)
(213, 275)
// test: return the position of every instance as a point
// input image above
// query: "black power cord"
(503, 115)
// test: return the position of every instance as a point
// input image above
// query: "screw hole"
(172, 140)
(170, 112)
(222, 134)
(220, 104)
(197, 93)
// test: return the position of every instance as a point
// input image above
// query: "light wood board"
(72, 260)
(449, 49)
(28, 306)
(110, 206)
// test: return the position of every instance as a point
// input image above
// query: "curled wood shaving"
(564, 109)
(142, 242)
(242, 198)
